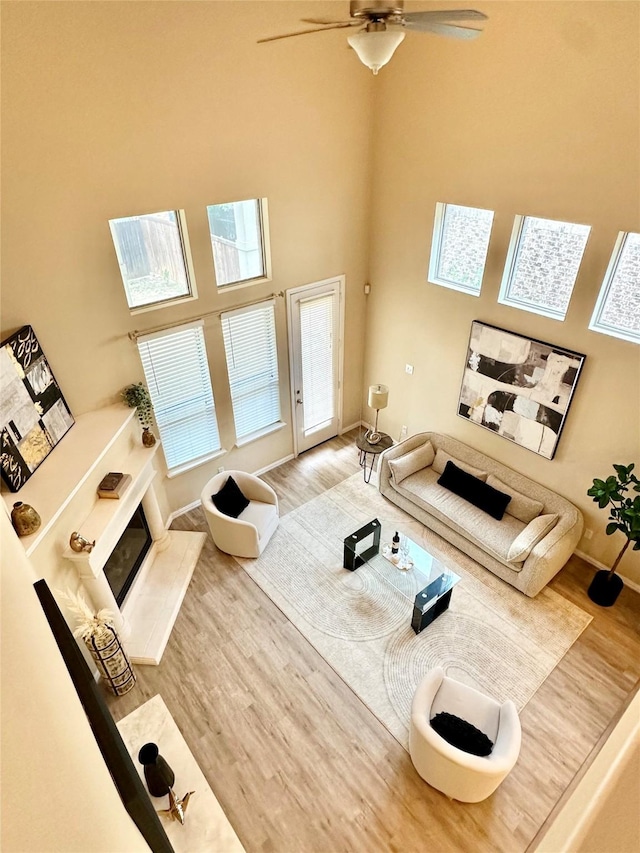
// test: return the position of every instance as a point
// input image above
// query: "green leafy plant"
(624, 510)
(137, 397)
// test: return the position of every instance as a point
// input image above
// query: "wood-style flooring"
(299, 764)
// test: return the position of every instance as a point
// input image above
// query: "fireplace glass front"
(128, 555)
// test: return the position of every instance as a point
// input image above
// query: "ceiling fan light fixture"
(376, 48)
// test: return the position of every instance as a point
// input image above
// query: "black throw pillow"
(474, 490)
(461, 734)
(230, 499)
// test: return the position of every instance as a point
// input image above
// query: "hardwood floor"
(296, 760)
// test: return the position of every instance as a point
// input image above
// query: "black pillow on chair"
(461, 734)
(230, 500)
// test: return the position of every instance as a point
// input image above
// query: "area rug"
(492, 637)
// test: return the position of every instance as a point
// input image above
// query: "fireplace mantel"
(63, 491)
(71, 464)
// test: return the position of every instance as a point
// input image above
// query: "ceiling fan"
(382, 24)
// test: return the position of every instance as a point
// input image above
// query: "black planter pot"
(604, 590)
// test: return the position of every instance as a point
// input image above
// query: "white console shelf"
(70, 464)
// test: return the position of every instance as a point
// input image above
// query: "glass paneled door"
(315, 314)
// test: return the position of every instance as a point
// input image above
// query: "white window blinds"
(252, 365)
(317, 347)
(177, 373)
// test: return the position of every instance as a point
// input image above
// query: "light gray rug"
(492, 637)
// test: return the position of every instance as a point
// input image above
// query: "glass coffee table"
(417, 575)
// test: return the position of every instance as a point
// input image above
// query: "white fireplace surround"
(152, 604)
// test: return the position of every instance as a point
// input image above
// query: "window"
(617, 310)
(459, 247)
(542, 264)
(252, 364)
(152, 253)
(177, 373)
(238, 241)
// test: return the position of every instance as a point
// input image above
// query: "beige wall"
(117, 108)
(57, 793)
(111, 109)
(540, 116)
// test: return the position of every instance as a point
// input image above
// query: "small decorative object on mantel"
(624, 516)
(137, 397)
(79, 544)
(157, 773)
(148, 438)
(177, 808)
(114, 484)
(100, 637)
(25, 519)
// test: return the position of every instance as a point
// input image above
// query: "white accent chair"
(248, 534)
(459, 775)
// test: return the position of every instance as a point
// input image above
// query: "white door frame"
(340, 280)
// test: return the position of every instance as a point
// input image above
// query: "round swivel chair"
(458, 774)
(248, 534)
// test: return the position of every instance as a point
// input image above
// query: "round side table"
(371, 450)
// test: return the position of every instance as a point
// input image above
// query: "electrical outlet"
(588, 533)
(220, 469)
(403, 431)
(408, 368)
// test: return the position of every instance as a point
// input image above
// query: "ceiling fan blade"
(329, 21)
(444, 17)
(450, 30)
(303, 32)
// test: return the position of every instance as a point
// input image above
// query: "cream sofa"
(536, 536)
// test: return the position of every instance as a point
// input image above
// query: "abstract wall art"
(518, 387)
(33, 413)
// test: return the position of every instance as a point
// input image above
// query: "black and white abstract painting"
(33, 413)
(519, 387)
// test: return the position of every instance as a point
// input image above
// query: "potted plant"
(624, 516)
(137, 397)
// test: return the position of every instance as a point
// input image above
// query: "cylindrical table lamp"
(378, 399)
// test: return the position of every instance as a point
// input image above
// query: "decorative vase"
(159, 776)
(605, 588)
(111, 660)
(148, 438)
(25, 519)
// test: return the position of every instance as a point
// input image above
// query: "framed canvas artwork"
(519, 387)
(33, 413)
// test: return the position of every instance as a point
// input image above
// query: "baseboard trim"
(275, 464)
(352, 426)
(601, 566)
(178, 512)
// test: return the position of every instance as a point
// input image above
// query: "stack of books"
(113, 485)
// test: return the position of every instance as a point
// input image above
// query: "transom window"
(617, 310)
(459, 248)
(542, 265)
(252, 365)
(153, 256)
(238, 241)
(177, 373)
